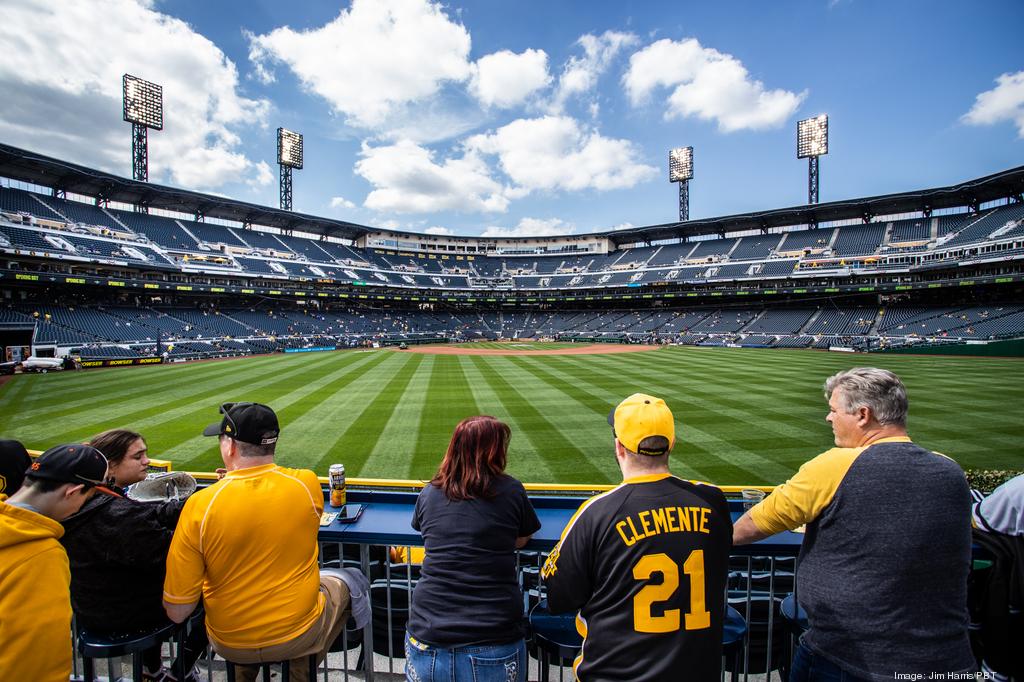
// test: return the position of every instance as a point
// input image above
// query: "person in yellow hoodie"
(35, 601)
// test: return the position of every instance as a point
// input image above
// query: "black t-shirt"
(468, 592)
(645, 566)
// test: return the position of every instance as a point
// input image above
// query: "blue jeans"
(486, 663)
(810, 667)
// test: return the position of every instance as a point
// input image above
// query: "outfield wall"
(1011, 348)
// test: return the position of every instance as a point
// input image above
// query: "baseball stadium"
(158, 307)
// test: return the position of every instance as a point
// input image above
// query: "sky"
(524, 117)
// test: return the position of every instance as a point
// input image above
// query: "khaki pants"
(316, 640)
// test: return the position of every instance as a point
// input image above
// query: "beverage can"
(336, 474)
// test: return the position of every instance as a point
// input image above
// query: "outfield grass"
(744, 415)
(517, 345)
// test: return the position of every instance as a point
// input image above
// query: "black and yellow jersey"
(645, 566)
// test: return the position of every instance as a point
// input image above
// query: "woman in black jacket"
(117, 549)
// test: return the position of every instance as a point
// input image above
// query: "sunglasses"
(107, 481)
(225, 409)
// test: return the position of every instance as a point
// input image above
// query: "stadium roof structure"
(26, 166)
(972, 193)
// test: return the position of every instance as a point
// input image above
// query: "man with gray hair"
(884, 562)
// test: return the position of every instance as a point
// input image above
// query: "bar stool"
(794, 616)
(92, 646)
(734, 630)
(555, 637)
(265, 669)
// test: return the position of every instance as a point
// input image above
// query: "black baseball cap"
(252, 423)
(14, 460)
(71, 463)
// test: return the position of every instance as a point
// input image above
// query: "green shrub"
(987, 480)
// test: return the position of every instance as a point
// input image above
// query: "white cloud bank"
(532, 227)
(373, 60)
(1005, 102)
(505, 79)
(557, 153)
(552, 153)
(407, 179)
(341, 202)
(580, 74)
(707, 84)
(63, 65)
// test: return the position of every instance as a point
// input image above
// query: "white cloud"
(555, 153)
(623, 226)
(437, 230)
(532, 227)
(263, 175)
(373, 59)
(505, 79)
(708, 84)
(1005, 102)
(580, 74)
(63, 65)
(407, 179)
(341, 202)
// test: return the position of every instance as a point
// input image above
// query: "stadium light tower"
(812, 142)
(289, 155)
(144, 109)
(680, 169)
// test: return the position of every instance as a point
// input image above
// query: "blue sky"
(526, 117)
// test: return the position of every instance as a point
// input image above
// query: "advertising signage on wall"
(120, 362)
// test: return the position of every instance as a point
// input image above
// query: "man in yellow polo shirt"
(248, 546)
(884, 562)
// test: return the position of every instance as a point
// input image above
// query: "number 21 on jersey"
(696, 618)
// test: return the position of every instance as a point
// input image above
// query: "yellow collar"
(647, 478)
(251, 471)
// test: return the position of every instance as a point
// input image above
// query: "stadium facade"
(120, 268)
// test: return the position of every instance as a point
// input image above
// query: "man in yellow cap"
(644, 565)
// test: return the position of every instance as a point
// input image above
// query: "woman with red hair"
(466, 619)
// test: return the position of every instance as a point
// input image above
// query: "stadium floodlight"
(289, 148)
(680, 169)
(812, 142)
(812, 137)
(680, 164)
(143, 108)
(143, 102)
(289, 156)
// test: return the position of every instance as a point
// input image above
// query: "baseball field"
(743, 416)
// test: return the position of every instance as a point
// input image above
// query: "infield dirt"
(592, 349)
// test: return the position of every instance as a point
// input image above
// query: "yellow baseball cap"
(641, 416)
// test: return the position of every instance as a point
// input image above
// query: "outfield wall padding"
(1011, 348)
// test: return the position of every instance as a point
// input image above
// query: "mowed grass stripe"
(561, 454)
(358, 440)
(590, 429)
(11, 398)
(449, 401)
(169, 388)
(938, 391)
(578, 415)
(737, 399)
(91, 383)
(718, 441)
(691, 460)
(988, 445)
(299, 403)
(525, 461)
(731, 401)
(394, 456)
(193, 400)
